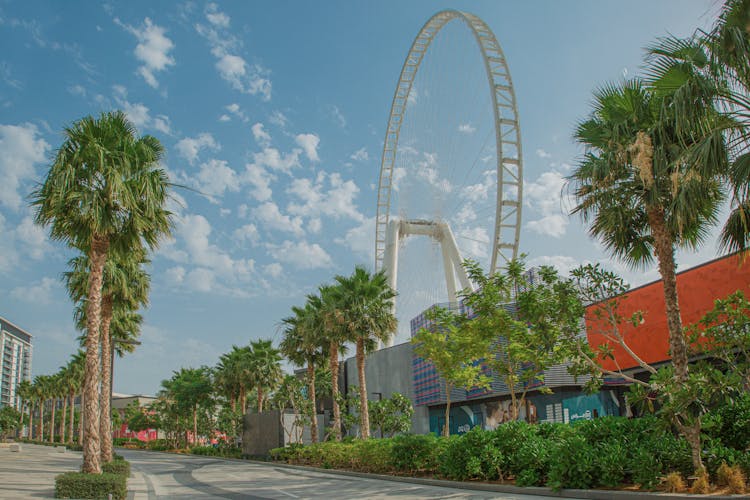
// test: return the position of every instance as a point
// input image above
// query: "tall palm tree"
(642, 196)
(25, 393)
(365, 302)
(75, 373)
(227, 377)
(125, 288)
(302, 346)
(266, 366)
(42, 390)
(104, 190)
(55, 391)
(328, 319)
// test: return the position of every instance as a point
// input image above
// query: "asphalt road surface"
(158, 475)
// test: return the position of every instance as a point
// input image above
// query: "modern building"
(399, 369)
(15, 361)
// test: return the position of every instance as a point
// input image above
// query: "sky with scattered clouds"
(273, 116)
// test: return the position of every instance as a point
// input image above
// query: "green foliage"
(573, 464)
(10, 418)
(117, 467)
(391, 415)
(99, 486)
(217, 451)
(416, 453)
(473, 455)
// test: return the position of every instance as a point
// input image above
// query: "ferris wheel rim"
(507, 131)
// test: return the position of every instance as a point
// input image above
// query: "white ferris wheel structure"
(391, 227)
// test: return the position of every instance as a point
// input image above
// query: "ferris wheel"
(452, 166)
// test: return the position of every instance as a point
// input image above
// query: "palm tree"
(55, 390)
(227, 377)
(302, 346)
(333, 331)
(104, 190)
(75, 373)
(25, 393)
(125, 288)
(365, 303)
(42, 390)
(641, 195)
(266, 367)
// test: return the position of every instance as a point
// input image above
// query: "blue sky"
(275, 113)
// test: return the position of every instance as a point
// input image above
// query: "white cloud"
(20, 150)
(269, 215)
(260, 182)
(361, 239)
(215, 177)
(273, 159)
(545, 196)
(427, 170)
(337, 201)
(279, 119)
(262, 137)
(551, 225)
(190, 147)
(309, 143)
(301, 255)
(139, 114)
(152, 50)
(338, 116)
(225, 118)
(175, 275)
(474, 242)
(243, 77)
(234, 109)
(542, 153)
(36, 293)
(247, 233)
(466, 128)
(274, 270)
(77, 90)
(34, 238)
(360, 155)
(201, 279)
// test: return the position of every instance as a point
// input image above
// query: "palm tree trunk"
(364, 410)
(62, 420)
(664, 249)
(105, 418)
(52, 422)
(195, 424)
(91, 444)
(41, 421)
(313, 404)
(72, 416)
(31, 421)
(260, 400)
(446, 427)
(80, 421)
(334, 361)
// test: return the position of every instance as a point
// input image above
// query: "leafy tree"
(519, 321)
(289, 395)
(365, 303)
(138, 418)
(104, 191)
(456, 352)
(392, 415)
(189, 391)
(10, 419)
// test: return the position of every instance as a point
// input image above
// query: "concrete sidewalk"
(31, 472)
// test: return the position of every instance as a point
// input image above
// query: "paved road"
(157, 475)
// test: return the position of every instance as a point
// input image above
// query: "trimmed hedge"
(80, 485)
(217, 451)
(607, 452)
(121, 467)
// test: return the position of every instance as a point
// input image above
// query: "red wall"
(697, 289)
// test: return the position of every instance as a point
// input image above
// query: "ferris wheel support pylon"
(442, 234)
(507, 224)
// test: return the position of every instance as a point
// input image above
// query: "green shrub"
(158, 445)
(645, 468)
(372, 455)
(217, 451)
(413, 453)
(530, 463)
(573, 464)
(730, 424)
(80, 485)
(117, 467)
(610, 459)
(474, 455)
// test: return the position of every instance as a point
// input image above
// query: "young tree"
(456, 352)
(190, 390)
(392, 415)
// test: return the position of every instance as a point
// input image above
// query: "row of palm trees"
(356, 309)
(662, 155)
(104, 196)
(45, 392)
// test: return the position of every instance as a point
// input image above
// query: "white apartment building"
(15, 361)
